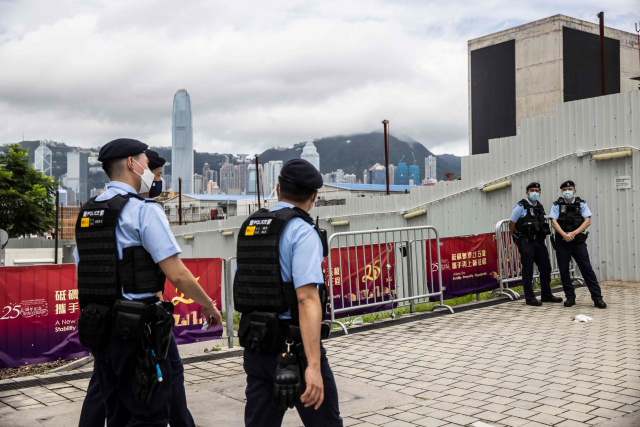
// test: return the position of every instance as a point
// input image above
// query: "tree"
(27, 196)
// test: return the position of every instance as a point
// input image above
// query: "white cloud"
(260, 74)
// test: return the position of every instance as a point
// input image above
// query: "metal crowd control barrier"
(229, 272)
(228, 300)
(510, 267)
(367, 255)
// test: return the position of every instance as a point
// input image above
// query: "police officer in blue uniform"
(279, 289)
(156, 161)
(125, 251)
(93, 409)
(529, 229)
(570, 217)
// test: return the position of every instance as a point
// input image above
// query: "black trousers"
(535, 252)
(115, 368)
(94, 411)
(259, 411)
(564, 252)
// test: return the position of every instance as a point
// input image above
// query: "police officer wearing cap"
(529, 229)
(156, 161)
(93, 409)
(570, 217)
(125, 251)
(279, 289)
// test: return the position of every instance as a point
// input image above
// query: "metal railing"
(228, 298)
(409, 256)
(510, 267)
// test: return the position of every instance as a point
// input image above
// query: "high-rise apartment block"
(229, 179)
(78, 174)
(430, 167)
(365, 177)
(182, 142)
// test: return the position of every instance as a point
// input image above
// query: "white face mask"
(147, 179)
(568, 195)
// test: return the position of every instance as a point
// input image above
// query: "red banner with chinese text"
(361, 275)
(39, 310)
(469, 264)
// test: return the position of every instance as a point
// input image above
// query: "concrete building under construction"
(524, 72)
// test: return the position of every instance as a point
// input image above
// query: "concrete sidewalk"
(506, 365)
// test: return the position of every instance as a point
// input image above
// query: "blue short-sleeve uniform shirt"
(584, 210)
(519, 212)
(300, 253)
(140, 224)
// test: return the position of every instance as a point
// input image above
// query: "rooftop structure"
(524, 72)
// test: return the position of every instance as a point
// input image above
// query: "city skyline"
(266, 84)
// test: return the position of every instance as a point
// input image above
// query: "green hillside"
(354, 153)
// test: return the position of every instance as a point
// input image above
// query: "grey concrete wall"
(67, 246)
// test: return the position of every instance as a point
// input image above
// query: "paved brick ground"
(507, 365)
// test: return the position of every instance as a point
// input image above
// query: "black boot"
(570, 301)
(551, 299)
(535, 302)
(600, 304)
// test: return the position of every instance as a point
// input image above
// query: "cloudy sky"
(260, 73)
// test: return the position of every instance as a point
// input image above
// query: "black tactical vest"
(258, 284)
(569, 217)
(101, 275)
(533, 225)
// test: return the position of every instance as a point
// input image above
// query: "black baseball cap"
(302, 173)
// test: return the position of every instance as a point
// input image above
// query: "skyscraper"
(251, 180)
(310, 154)
(229, 178)
(365, 177)
(402, 174)
(414, 175)
(78, 174)
(378, 174)
(350, 178)
(430, 167)
(392, 174)
(242, 175)
(271, 173)
(199, 184)
(205, 170)
(182, 142)
(43, 159)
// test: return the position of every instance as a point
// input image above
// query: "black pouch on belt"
(163, 323)
(260, 331)
(145, 377)
(129, 318)
(93, 327)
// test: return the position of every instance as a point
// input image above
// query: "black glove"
(286, 387)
